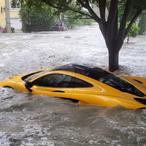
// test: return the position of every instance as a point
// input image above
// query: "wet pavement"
(34, 120)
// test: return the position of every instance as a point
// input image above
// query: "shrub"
(142, 24)
(134, 31)
(36, 18)
(71, 20)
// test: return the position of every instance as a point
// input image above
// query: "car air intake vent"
(138, 81)
(143, 101)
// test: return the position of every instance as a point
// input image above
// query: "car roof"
(81, 69)
(92, 72)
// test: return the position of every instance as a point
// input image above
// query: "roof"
(81, 69)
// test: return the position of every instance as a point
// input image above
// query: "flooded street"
(35, 120)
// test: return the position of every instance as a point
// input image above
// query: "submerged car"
(86, 85)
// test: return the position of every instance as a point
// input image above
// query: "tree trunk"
(114, 44)
(113, 60)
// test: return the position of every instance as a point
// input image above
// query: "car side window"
(76, 83)
(51, 80)
(60, 81)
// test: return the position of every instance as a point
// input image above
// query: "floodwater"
(36, 120)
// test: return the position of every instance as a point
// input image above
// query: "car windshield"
(104, 77)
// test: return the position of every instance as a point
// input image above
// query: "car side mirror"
(28, 86)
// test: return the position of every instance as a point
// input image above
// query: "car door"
(60, 85)
(51, 85)
(83, 90)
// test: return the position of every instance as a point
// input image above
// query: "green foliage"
(139, 4)
(142, 23)
(134, 31)
(36, 17)
(71, 23)
(71, 19)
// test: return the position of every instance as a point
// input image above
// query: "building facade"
(14, 13)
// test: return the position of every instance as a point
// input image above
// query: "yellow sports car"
(86, 85)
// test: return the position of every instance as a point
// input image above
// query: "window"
(120, 84)
(104, 77)
(78, 83)
(61, 81)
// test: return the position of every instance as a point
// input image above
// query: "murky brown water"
(34, 120)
